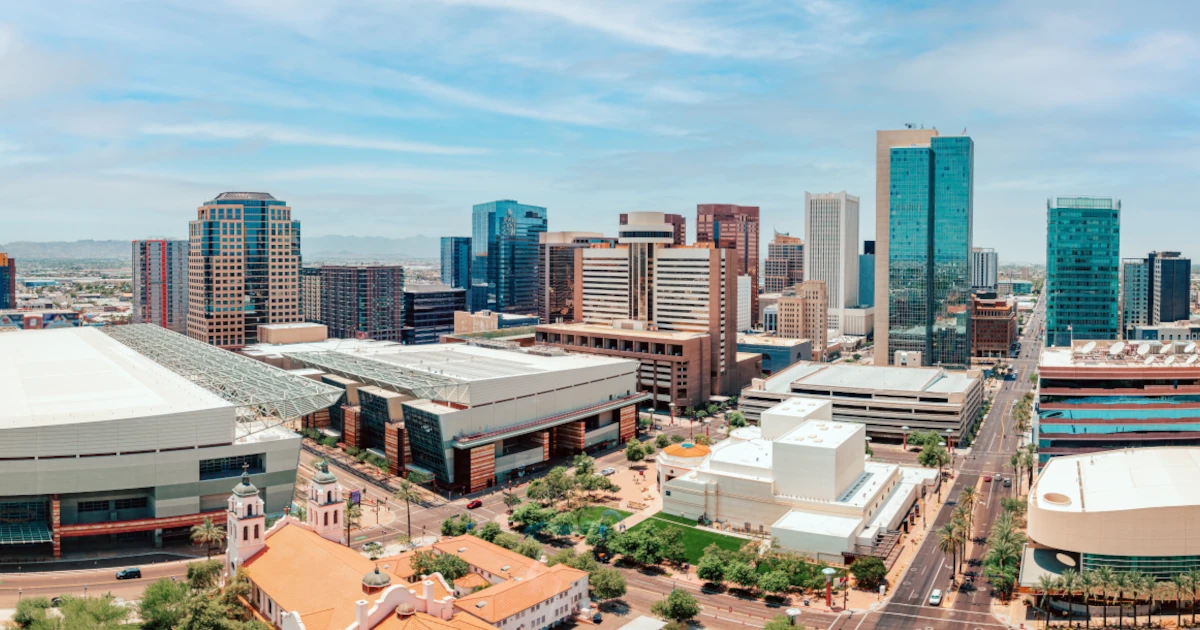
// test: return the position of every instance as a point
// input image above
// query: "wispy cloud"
(283, 135)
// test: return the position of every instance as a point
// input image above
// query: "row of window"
(133, 503)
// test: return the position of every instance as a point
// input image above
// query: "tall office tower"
(456, 261)
(678, 224)
(866, 275)
(744, 322)
(984, 267)
(556, 272)
(695, 290)
(1083, 243)
(831, 226)
(504, 247)
(643, 235)
(733, 227)
(243, 268)
(363, 301)
(160, 283)
(1154, 290)
(806, 316)
(929, 253)
(310, 294)
(602, 293)
(784, 266)
(8, 281)
(884, 141)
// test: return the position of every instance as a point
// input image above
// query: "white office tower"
(831, 254)
(984, 266)
(605, 285)
(644, 234)
(744, 283)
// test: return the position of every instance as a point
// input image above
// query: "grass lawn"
(593, 513)
(694, 540)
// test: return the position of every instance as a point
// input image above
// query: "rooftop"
(1128, 479)
(818, 523)
(627, 332)
(430, 288)
(77, 375)
(687, 450)
(767, 340)
(506, 599)
(1144, 354)
(822, 433)
(874, 377)
(244, 196)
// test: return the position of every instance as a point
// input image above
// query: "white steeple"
(325, 510)
(245, 522)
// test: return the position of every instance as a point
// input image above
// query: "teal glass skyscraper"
(504, 255)
(930, 215)
(1083, 243)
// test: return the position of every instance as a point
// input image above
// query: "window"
(231, 466)
(93, 506)
(136, 503)
(245, 532)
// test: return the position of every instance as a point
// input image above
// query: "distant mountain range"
(314, 248)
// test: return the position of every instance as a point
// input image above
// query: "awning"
(25, 533)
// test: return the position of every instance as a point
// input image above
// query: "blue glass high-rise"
(1083, 243)
(931, 209)
(504, 261)
(456, 261)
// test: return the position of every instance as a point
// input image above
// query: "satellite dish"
(1170, 360)
(1149, 360)
(1190, 348)
(1117, 348)
(1167, 348)
(1191, 359)
(1088, 347)
(1143, 349)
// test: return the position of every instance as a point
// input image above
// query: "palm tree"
(1087, 583)
(1070, 583)
(408, 493)
(1121, 583)
(1180, 584)
(1104, 582)
(968, 499)
(947, 542)
(1195, 575)
(1015, 462)
(1137, 588)
(207, 533)
(1046, 584)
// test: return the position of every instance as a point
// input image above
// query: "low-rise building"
(303, 577)
(1127, 509)
(886, 399)
(489, 321)
(804, 481)
(993, 326)
(777, 352)
(1186, 330)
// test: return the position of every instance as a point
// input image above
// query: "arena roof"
(1128, 479)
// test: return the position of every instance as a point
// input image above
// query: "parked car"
(607, 472)
(935, 598)
(474, 504)
(987, 478)
(132, 573)
(1008, 482)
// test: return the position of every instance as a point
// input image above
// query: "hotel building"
(160, 283)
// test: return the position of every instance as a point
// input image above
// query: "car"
(1008, 482)
(132, 573)
(935, 598)
(608, 472)
(987, 478)
(474, 504)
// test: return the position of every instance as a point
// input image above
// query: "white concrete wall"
(813, 543)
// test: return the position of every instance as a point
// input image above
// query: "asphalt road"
(931, 569)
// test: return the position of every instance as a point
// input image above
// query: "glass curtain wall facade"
(363, 302)
(504, 255)
(1083, 240)
(8, 282)
(931, 207)
(456, 261)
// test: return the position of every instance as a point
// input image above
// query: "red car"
(474, 504)
(986, 478)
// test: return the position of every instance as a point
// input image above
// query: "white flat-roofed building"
(806, 481)
(886, 399)
(123, 432)
(1126, 509)
(476, 415)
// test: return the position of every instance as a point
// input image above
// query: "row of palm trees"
(1111, 587)
(1003, 558)
(953, 537)
(1023, 462)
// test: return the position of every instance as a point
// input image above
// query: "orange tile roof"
(471, 580)
(423, 621)
(489, 557)
(509, 598)
(695, 450)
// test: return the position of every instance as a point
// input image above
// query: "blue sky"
(392, 118)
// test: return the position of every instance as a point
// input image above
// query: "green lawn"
(593, 513)
(694, 540)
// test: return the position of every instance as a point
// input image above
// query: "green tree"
(449, 565)
(711, 567)
(488, 531)
(703, 440)
(736, 419)
(531, 517)
(781, 622)
(456, 525)
(933, 456)
(583, 464)
(597, 536)
(511, 500)
(648, 545)
(208, 534)
(529, 548)
(352, 515)
(662, 441)
(869, 572)
(678, 439)
(163, 605)
(774, 582)
(634, 451)
(679, 605)
(408, 493)
(204, 576)
(92, 613)
(742, 574)
(373, 549)
(607, 583)
(30, 611)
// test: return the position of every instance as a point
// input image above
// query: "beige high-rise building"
(831, 226)
(243, 268)
(806, 316)
(884, 141)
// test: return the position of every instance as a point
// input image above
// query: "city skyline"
(114, 132)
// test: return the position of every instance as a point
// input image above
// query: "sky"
(392, 118)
